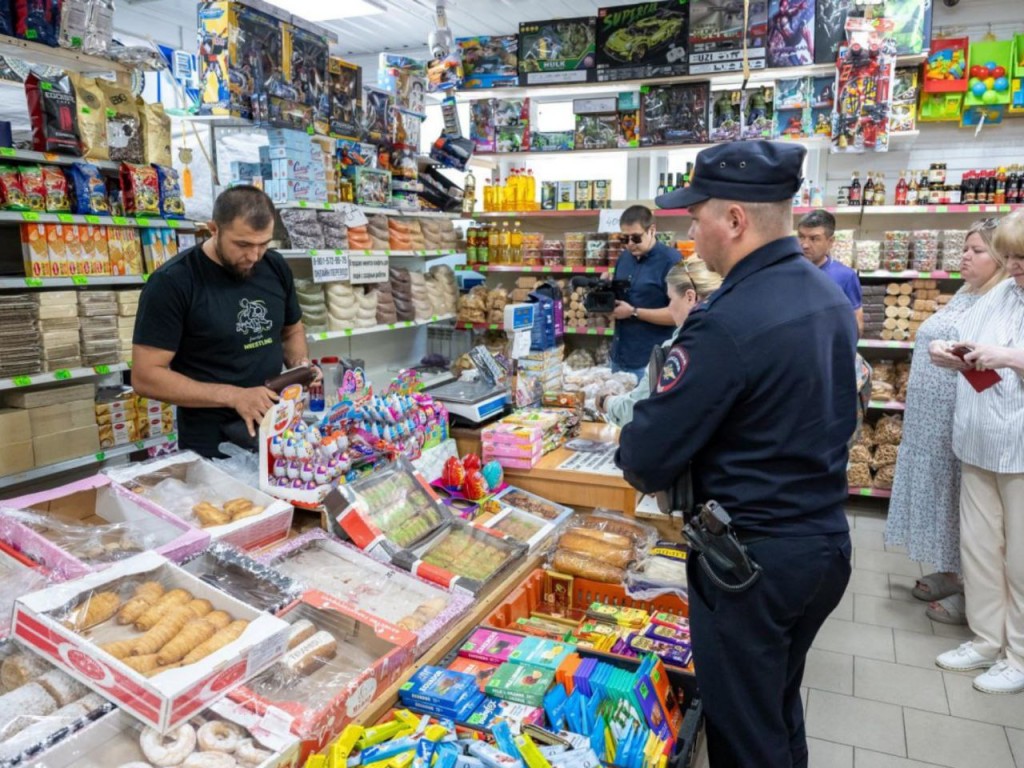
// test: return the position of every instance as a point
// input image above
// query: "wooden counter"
(574, 489)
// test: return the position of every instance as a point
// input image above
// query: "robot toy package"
(306, 66)
(674, 114)
(557, 51)
(757, 109)
(725, 115)
(345, 88)
(489, 61)
(791, 33)
(792, 105)
(642, 40)
(717, 32)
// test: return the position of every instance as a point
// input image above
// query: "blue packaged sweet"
(88, 190)
(172, 204)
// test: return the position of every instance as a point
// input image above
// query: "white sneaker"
(964, 659)
(1001, 678)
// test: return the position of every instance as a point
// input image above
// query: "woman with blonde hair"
(924, 514)
(988, 438)
(689, 282)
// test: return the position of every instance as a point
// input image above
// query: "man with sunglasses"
(644, 320)
(756, 400)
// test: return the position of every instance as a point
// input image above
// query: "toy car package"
(643, 40)
(88, 190)
(557, 51)
(790, 33)
(674, 114)
(140, 189)
(716, 35)
(345, 89)
(54, 114)
(172, 204)
(489, 61)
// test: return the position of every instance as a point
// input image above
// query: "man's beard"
(239, 273)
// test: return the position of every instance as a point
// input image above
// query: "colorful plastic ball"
(979, 89)
(989, 82)
(990, 65)
(493, 474)
(972, 81)
(978, 71)
(999, 72)
(1001, 84)
(990, 97)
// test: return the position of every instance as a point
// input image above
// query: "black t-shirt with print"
(222, 329)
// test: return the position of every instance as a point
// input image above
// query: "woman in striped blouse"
(988, 438)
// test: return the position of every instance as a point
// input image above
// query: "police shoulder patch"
(672, 372)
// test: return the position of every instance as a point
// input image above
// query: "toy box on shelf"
(557, 51)
(341, 658)
(904, 100)
(864, 82)
(716, 38)
(90, 524)
(643, 40)
(189, 487)
(345, 93)
(322, 562)
(990, 67)
(118, 739)
(489, 61)
(252, 640)
(1017, 84)
(674, 114)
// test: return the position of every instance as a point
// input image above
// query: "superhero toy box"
(489, 61)
(91, 524)
(717, 32)
(345, 90)
(674, 114)
(241, 59)
(790, 33)
(642, 40)
(157, 641)
(338, 659)
(557, 51)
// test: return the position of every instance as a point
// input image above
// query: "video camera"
(601, 295)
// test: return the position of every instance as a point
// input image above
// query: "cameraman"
(644, 321)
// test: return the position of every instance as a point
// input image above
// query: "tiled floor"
(874, 697)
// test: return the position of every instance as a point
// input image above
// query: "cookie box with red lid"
(77, 626)
(340, 660)
(319, 561)
(224, 734)
(180, 483)
(87, 525)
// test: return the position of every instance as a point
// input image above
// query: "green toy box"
(998, 53)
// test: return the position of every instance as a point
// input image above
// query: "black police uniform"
(758, 397)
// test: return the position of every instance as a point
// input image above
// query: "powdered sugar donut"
(219, 736)
(172, 749)
(209, 760)
(249, 755)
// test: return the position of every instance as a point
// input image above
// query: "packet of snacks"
(140, 188)
(34, 186)
(57, 200)
(172, 204)
(89, 192)
(12, 195)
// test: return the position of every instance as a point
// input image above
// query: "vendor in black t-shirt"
(216, 322)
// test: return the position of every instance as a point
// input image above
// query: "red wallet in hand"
(980, 380)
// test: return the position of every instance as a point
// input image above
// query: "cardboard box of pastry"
(319, 561)
(96, 522)
(18, 576)
(39, 705)
(339, 659)
(118, 739)
(151, 637)
(194, 490)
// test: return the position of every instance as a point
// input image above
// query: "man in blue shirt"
(817, 232)
(644, 321)
(757, 400)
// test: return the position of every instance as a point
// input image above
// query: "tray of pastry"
(243, 577)
(150, 636)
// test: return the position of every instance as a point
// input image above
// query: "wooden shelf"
(72, 61)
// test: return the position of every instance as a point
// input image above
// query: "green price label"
(111, 113)
(8, 152)
(62, 375)
(367, 253)
(311, 253)
(434, 319)
(30, 216)
(328, 207)
(91, 219)
(173, 223)
(590, 270)
(339, 253)
(79, 280)
(22, 381)
(309, 130)
(86, 111)
(545, 269)
(119, 221)
(34, 282)
(493, 327)
(391, 326)
(323, 336)
(140, 444)
(145, 278)
(303, 204)
(129, 363)
(171, 437)
(421, 253)
(65, 218)
(591, 331)
(942, 209)
(348, 331)
(865, 491)
(76, 42)
(102, 370)
(101, 456)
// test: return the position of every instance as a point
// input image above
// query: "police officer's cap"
(746, 171)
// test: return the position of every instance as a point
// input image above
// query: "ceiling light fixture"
(330, 10)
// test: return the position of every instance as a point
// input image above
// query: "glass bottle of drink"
(912, 191)
(855, 190)
(504, 244)
(499, 195)
(901, 189)
(1000, 197)
(1012, 181)
(471, 240)
(531, 191)
(990, 187)
(515, 255)
(868, 195)
(493, 245)
(469, 194)
(967, 187)
(879, 188)
(489, 196)
(661, 185)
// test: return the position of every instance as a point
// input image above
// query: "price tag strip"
(597, 463)
(330, 267)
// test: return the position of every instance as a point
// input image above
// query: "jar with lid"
(575, 249)
(532, 244)
(937, 174)
(552, 253)
(596, 250)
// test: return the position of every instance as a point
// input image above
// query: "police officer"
(757, 398)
